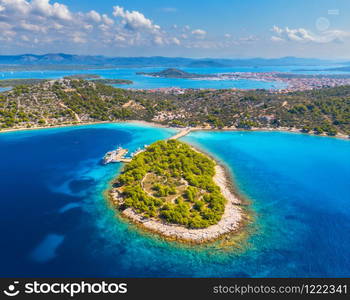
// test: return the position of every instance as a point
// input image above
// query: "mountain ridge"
(154, 61)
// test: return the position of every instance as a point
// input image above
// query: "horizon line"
(185, 57)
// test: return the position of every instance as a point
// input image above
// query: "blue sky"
(191, 28)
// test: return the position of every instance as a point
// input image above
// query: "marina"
(119, 155)
(115, 156)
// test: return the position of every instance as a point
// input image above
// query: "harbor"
(119, 155)
(115, 156)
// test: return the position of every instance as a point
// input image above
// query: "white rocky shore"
(229, 222)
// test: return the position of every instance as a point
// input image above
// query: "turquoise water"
(299, 189)
(56, 222)
(143, 82)
(4, 89)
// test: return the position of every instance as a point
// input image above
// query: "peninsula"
(175, 191)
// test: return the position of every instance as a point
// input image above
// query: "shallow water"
(56, 222)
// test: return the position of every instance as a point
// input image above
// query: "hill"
(174, 73)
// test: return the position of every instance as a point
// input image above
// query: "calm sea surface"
(143, 82)
(54, 220)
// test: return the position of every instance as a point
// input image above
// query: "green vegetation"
(321, 111)
(172, 182)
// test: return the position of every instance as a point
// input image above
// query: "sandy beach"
(182, 131)
(261, 129)
(146, 123)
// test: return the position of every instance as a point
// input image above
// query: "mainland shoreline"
(180, 129)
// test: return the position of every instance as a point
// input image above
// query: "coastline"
(266, 129)
(140, 122)
(232, 220)
(181, 130)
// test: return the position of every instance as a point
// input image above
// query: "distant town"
(292, 81)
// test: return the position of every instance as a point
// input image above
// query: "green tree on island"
(182, 190)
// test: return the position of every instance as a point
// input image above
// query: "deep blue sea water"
(54, 220)
(143, 82)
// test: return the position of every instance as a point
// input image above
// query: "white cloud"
(42, 7)
(94, 16)
(31, 27)
(20, 6)
(88, 27)
(107, 20)
(276, 39)
(57, 26)
(199, 33)
(56, 10)
(276, 29)
(158, 40)
(53, 25)
(56, 23)
(304, 35)
(134, 20)
(78, 37)
(119, 38)
(176, 41)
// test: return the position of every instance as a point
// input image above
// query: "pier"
(181, 134)
(118, 155)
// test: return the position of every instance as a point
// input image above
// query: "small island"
(175, 73)
(178, 192)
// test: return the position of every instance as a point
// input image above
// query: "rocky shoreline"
(230, 222)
